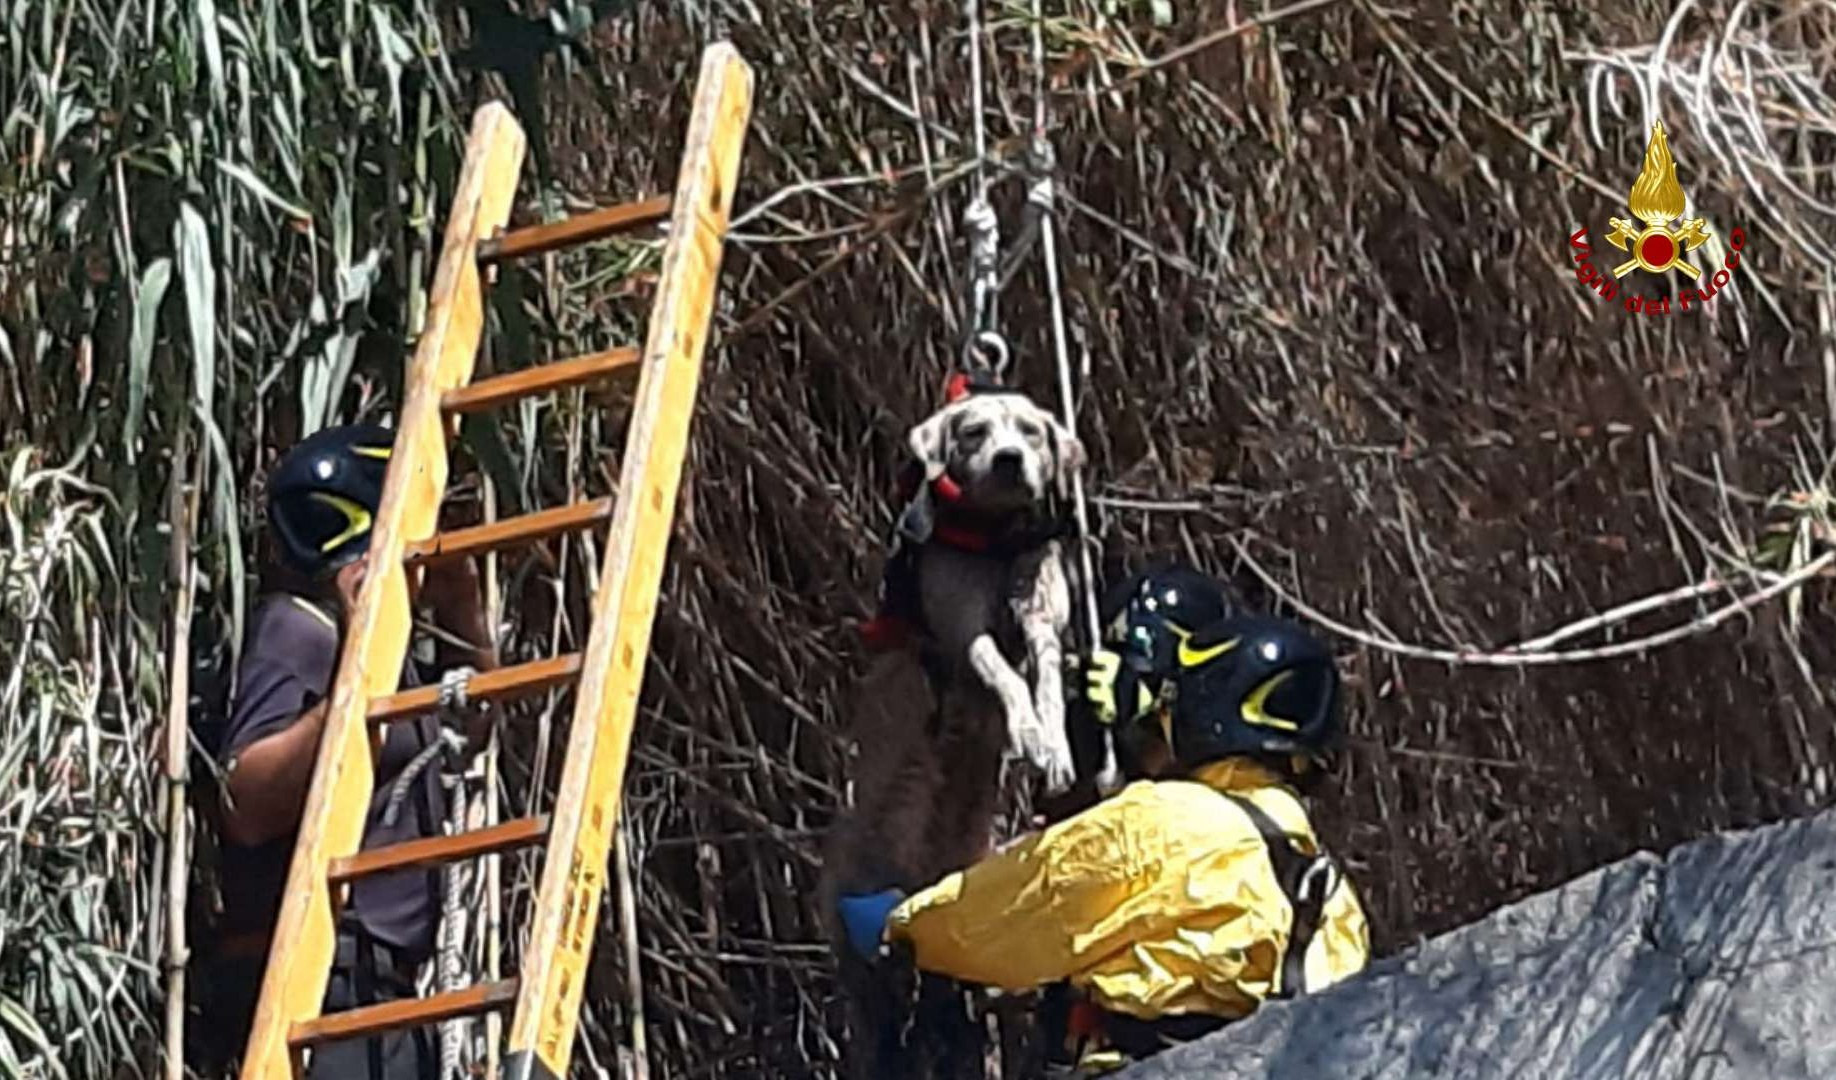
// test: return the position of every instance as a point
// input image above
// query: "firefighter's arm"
(1056, 902)
(266, 787)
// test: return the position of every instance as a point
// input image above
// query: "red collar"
(965, 539)
(956, 527)
(967, 531)
(1004, 536)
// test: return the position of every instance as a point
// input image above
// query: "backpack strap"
(1306, 880)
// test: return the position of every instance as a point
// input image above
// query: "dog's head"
(1002, 450)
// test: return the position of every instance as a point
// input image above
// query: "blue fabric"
(864, 916)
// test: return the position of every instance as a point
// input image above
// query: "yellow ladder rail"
(577, 832)
(612, 670)
(376, 637)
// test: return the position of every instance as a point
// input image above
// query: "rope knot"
(984, 231)
(454, 685)
(454, 708)
(983, 226)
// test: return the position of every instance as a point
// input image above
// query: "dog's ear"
(928, 443)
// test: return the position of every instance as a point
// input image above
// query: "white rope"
(1042, 194)
(1068, 403)
(451, 950)
(455, 684)
(973, 8)
(980, 223)
(984, 231)
(449, 935)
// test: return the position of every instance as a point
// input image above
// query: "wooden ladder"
(365, 699)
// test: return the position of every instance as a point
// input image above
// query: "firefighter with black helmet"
(1179, 903)
(1144, 619)
(323, 497)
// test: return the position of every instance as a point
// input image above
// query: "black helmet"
(1155, 610)
(1254, 685)
(323, 494)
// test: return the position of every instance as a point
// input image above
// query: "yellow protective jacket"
(1161, 900)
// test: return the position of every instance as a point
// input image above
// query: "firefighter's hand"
(864, 916)
(455, 594)
(1100, 683)
(349, 582)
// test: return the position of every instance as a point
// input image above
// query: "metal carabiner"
(986, 355)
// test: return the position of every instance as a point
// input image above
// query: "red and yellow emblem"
(1657, 200)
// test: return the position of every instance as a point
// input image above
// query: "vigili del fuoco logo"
(1657, 200)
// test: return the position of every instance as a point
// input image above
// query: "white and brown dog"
(988, 563)
(978, 578)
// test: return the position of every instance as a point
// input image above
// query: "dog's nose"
(1007, 462)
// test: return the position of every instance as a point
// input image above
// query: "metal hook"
(987, 353)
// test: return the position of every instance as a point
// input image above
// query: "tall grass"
(215, 217)
(76, 894)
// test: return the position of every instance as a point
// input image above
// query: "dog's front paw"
(1049, 703)
(1056, 765)
(1054, 758)
(1046, 749)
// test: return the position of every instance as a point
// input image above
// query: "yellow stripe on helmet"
(1191, 657)
(357, 518)
(1254, 711)
(378, 452)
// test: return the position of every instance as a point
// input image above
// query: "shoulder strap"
(1306, 880)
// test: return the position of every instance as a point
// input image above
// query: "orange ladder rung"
(396, 1015)
(579, 229)
(510, 532)
(541, 379)
(439, 850)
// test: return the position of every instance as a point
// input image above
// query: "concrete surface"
(1715, 961)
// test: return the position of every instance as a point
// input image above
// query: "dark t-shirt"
(287, 667)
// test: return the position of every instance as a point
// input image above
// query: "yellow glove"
(1100, 683)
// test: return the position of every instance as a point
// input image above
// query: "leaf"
(341, 222)
(483, 434)
(224, 500)
(213, 48)
(354, 286)
(283, 109)
(395, 52)
(263, 192)
(148, 295)
(20, 1020)
(200, 279)
(314, 371)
